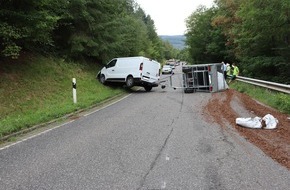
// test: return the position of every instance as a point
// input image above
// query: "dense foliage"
(78, 29)
(206, 43)
(254, 33)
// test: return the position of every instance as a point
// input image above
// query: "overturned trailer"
(203, 77)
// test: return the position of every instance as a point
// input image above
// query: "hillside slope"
(36, 89)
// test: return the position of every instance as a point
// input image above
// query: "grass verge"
(37, 89)
(277, 100)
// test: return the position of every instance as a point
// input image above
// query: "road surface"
(155, 140)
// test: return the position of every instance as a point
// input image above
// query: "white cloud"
(169, 15)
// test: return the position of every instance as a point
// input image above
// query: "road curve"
(156, 140)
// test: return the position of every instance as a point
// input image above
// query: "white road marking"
(23, 140)
(107, 105)
(167, 158)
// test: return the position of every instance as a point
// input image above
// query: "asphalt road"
(155, 140)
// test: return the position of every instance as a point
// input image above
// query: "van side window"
(112, 63)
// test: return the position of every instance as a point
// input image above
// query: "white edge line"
(46, 131)
(107, 105)
(33, 136)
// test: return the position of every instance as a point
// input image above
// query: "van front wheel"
(129, 82)
(102, 79)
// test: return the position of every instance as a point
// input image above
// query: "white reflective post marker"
(74, 85)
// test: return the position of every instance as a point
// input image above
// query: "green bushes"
(283, 102)
(273, 69)
(280, 101)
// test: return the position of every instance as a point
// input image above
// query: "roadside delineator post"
(74, 85)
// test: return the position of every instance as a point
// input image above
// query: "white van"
(133, 71)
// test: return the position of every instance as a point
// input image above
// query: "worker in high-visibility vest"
(236, 72)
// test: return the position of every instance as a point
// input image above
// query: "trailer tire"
(188, 90)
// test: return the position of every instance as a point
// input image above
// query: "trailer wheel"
(188, 90)
(129, 82)
(148, 88)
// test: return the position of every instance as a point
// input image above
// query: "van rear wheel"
(129, 82)
(148, 88)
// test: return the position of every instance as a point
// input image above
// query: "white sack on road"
(271, 122)
(256, 122)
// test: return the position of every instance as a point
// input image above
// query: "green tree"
(225, 19)
(169, 51)
(206, 43)
(27, 25)
(93, 28)
(154, 45)
(183, 55)
(78, 29)
(264, 28)
(262, 38)
(257, 36)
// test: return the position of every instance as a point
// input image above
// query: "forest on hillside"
(253, 33)
(79, 29)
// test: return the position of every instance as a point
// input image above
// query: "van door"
(110, 69)
(150, 72)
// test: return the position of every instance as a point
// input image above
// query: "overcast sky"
(169, 15)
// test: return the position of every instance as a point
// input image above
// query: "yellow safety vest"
(236, 71)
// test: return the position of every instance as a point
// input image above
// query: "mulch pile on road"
(275, 143)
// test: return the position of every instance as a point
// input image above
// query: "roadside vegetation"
(79, 29)
(45, 43)
(37, 89)
(277, 100)
(255, 34)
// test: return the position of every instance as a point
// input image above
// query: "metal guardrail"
(266, 84)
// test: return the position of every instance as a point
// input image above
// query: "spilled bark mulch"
(275, 143)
